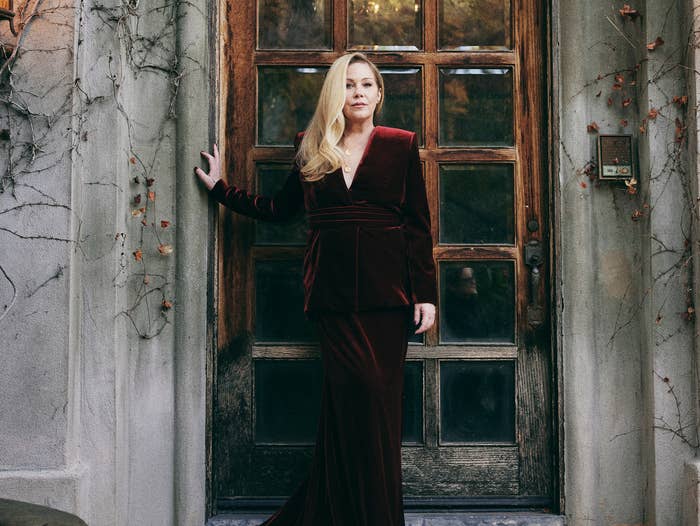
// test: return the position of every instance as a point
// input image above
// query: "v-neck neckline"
(362, 160)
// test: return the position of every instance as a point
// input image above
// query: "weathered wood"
(457, 252)
(453, 471)
(393, 58)
(467, 352)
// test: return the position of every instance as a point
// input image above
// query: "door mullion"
(430, 25)
(430, 406)
(340, 25)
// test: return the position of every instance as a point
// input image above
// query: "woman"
(368, 267)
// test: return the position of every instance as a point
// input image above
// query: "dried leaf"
(651, 46)
(137, 198)
(680, 131)
(643, 127)
(637, 215)
(617, 86)
(624, 123)
(680, 101)
(144, 222)
(136, 212)
(628, 12)
(164, 223)
(138, 254)
(619, 78)
(583, 184)
(132, 160)
(151, 196)
(166, 305)
(592, 127)
(653, 113)
(626, 102)
(165, 249)
(150, 181)
(610, 101)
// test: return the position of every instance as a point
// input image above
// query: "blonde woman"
(368, 272)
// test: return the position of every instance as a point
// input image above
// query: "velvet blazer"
(368, 246)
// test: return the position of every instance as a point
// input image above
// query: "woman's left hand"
(425, 313)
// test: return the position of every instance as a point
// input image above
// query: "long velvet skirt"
(355, 475)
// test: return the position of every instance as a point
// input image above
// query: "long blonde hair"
(318, 152)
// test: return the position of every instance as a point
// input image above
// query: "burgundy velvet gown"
(368, 261)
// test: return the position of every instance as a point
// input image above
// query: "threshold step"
(423, 519)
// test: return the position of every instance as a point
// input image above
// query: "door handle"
(533, 259)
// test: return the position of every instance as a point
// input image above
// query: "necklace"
(346, 166)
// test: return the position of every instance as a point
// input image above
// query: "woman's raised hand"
(210, 179)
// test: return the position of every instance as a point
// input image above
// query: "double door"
(467, 76)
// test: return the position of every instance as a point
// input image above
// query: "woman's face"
(361, 93)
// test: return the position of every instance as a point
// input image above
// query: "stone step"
(425, 519)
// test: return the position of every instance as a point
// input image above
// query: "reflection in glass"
(477, 302)
(413, 403)
(384, 24)
(297, 24)
(476, 203)
(476, 107)
(271, 178)
(477, 401)
(287, 400)
(403, 102)
(473, 25)
(286, 101)
(279, 303)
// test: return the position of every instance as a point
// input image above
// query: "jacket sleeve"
(284, 205)
(421, 265)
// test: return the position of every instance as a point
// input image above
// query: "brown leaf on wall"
(628, 12)
(651, 46)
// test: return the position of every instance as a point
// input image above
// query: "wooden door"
(467, 76)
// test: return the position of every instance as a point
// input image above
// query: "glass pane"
(471, 25)
(403, 101)
(270, 178)
(477, 401)
(413, 403)
(287, 98)
(477, 302)
(476, 203)
(476, 107)
(384, 25)
(297, 24)
(287, 400)
(279, 303)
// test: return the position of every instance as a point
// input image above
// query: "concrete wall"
(102, 391)
(626, 339)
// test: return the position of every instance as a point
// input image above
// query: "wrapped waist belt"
(361, 215)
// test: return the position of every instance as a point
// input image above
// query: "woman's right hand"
(210, 179)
